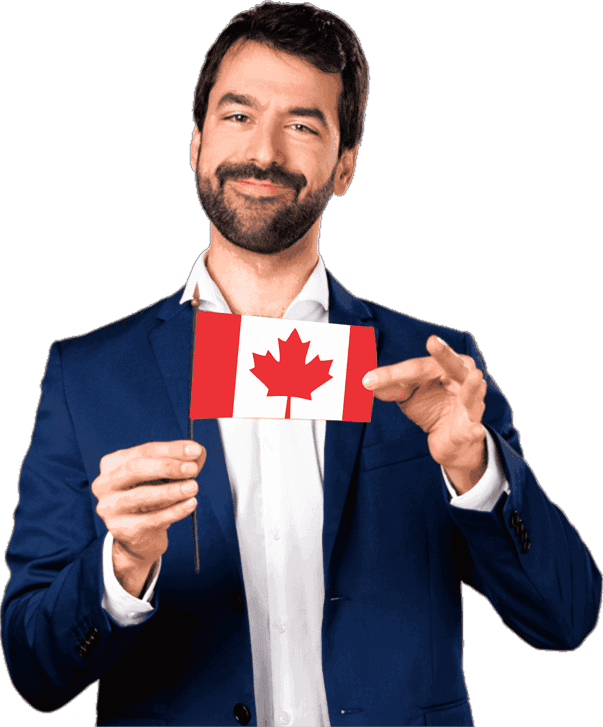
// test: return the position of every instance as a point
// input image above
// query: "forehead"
(275, 77)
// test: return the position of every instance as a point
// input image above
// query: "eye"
(305, 129)
(238, 118)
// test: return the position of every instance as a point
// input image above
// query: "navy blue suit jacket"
(395, 550)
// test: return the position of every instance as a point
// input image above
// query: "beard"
(262, 224)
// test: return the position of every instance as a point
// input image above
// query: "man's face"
(268, 156)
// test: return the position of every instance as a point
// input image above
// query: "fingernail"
(369, 379)
(192, 449)
(189, 468)
(188, 487)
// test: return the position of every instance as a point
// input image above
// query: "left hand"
(443, 394)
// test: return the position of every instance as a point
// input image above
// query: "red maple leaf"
(291, 376)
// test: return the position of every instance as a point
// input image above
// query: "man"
(374, 636)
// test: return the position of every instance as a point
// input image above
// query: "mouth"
(258, 184)
(255, 188)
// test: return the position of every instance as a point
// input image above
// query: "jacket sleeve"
(56, 636)
(525, 556)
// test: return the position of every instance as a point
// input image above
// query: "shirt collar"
(315, 291)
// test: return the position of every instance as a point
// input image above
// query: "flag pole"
(195, 306)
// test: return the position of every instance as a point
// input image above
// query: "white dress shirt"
(276, 471)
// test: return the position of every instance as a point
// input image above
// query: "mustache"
(274, 173)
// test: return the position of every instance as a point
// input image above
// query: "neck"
(261, 285)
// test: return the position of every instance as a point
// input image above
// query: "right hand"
(138, 512)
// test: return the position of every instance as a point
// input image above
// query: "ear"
(195, 148)
(345, 171)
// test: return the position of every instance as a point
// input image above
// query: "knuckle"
(161, 449)
(153, 497)
(127, 534)
(143, 450)
(154, 449)
(143, 497)
(385, 376)
(129, 529)
(149, 498)
(111, 460)
(101, 486)
(137, 499)
(106, 506)
(174, 468)
(142, 469)
(148, 450)
(156, 521)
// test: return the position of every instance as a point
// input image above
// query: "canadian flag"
(271, 368)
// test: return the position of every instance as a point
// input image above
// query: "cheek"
(216, 151)
(318, 176)
(207, 167)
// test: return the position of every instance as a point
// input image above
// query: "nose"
(265, 145)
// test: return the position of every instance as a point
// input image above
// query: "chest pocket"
(412, 445)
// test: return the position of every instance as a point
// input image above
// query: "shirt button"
(285, 718)
(281, 627)
(275, 534)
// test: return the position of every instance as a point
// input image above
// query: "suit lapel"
(171, 344)
(171, 341)
(342, 441)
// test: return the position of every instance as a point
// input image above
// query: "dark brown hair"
(303, 30)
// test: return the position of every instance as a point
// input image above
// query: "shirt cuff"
(125, 609)
(485, 493)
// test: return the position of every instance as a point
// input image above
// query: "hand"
(444, 394)
(138, 502)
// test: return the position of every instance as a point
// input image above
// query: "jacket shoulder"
(399, 335)
(129, 329)
(399, 331)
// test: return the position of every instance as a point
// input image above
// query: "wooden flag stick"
(195, 305)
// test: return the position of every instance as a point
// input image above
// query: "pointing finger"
(398, 381)
(448, 359)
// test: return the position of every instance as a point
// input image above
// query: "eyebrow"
(312, 112)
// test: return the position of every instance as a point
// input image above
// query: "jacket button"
(82, 651)
(524, 537)
(514, 518)
(242, 714)
(236, 601)
(92, 638)
(519, 528)
(526, 546)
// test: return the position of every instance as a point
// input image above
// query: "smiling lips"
(260, 187)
